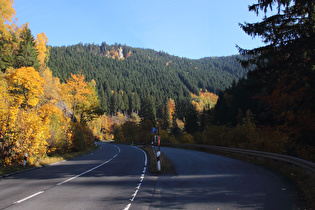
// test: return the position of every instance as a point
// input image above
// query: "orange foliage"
(171, 105)
(128, 54)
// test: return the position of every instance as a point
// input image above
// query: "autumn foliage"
(205, 100)
(37, 113)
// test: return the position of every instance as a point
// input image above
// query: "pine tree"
(148, 109)
(27, 53)
(166, 120)
(191, 120)
(285, 66)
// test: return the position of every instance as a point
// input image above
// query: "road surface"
(116, 177)
(207, 181)
(108, 178)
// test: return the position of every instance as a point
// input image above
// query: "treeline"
(125, 76)
(272, 109)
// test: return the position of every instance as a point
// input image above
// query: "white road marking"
(127, 207)
(133, 196)
(85, 172)
(31, 196)
(40, 192)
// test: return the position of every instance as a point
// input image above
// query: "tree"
(91, 108)
(51, 87)
(42, 50)
(76, 92)
(27, 52)
(148, 109)
(26, 85)
(172, 109)
(191, 120)
(166, 121)
(8, 39)
(285, 66)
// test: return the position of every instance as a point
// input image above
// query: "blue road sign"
(154, 130)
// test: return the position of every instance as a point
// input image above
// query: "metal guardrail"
(307, 165)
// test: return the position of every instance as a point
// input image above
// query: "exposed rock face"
(66, 111)
(120, 53)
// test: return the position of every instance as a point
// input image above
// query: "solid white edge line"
(31, 196)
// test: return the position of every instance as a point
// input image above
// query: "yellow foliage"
(7, 15)
(76, 92)
(205, 100)
(59, 126)
(51, 87)
(26, 85)
(42, 50)
(180, 124)
(32, 134)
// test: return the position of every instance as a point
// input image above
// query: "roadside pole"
(158, 154)
(25, 159)
(157, 141)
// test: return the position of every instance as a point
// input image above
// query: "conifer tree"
(285, 66)
(148, 109)
(27, 53)
(191, 120)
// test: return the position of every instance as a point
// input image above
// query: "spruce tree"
(285, 66)
(27, 53)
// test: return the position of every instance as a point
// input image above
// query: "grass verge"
(166, 165)
(44, 161)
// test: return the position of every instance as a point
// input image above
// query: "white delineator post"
(25, 159)
(158, 154)
(158, 160)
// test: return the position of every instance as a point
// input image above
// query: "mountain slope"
(121, 69)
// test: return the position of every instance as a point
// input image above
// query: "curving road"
(108, 178)
(207, 181)
(114, 177)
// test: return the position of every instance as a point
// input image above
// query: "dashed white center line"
(133, 196)
(85, 172)
(31, 196)
(63, 182)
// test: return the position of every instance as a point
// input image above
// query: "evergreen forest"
(125, 76)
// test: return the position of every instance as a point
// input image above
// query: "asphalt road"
(109, 178)
(116, 177)
(207, 181)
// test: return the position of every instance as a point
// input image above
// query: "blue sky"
(192, 29)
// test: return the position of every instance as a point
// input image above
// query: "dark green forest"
(141, 73)
(270, 107)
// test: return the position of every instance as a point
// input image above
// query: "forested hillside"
(125, 75)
